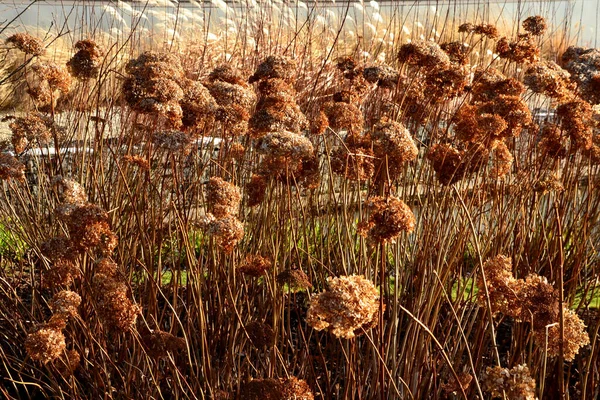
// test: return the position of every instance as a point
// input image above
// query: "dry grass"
(294, 208)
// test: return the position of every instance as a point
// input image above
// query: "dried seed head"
(11, 168)
(280, 67)
(223, 197)
(447, 82)
(383, 75)
(198, 106)
(516, 383)
(139, 161)
(576, 120)
(503, 160)
(113, 306)
(447, 162)
(106, 266)
(86, 63)
(584, 66)
(261, 335)
(467, 27)
(502, 287)
(389, 217)
(285, 144)
(554, 143)
(256, 190)
(55, 76)
(540, 301)
(255, 265)
(88, 228)
(487, 30)
(423, 53)
(159, 344)
(69, 191)
(355, 159)
(27, 44)
(277, 114)
(65, 303)
(32, 129)
(173, 141)
(458, 52)
(68, 363)
(45, 345)
(349, 303)
(524, 50)
(296, 280)
(394, 146)
(227, 230)
(226, 73)
(343, 115)
(575, 336)
(536, 25)
(550, 79)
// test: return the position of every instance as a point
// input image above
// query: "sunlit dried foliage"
(575, 336)
(344, 116)
(584, 66)
(11, 168)
(389, 217)
(516, 382)
(65, 303)
(159, 344)
(522, 50)
(45, 345)
(349, 303)
(223, 197)
(69, 191)
(86, 63)
(112, 303)
(227, 230)
(488, 30)
(277, 389)
(27, 43)
(394, 146)
(255, 265)
(423, 53)
(550, 79)
(355, 159)
(275, 67)
(295, 279)
(32, 130)
(285, 144)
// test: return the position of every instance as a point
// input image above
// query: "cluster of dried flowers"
(533, 300)
(221, 221)
(27, 43)
(349, 304)
(11, 168)
(277, 389)
(159, 344)
(50, 82)
(32, 129)
(86, 62)
(389, 217)
(255, 265)
(516, 383)
(584, 66)
(47, 342)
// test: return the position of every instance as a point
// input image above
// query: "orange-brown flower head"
(11, 168)
(502, 287)
(159, 343)
(523, 50)
(393, 146)
(275, 113)
(69, 191)
(63, 258)
(281, 67)
(277, 389)
(261, 335)
(226, 73)
(197, 105)
(490, 83)
(536, 25)
(384, 76)
(515, 383)
(45, 345)
(68, 363)
(548, 78)
(113, 305)
(513, 109)
(446, 82)
(575, 336)
(65, 303)
(576, 120)
(447, 162)
(54, 75)
(349, 303)
(540, 301)
(503, 160)
(256, 190)
(344, 116)
(173, 141)
(584, 66)
(27, 44)
(285, 144)
(32, 129)
(89, 227)
(458, 52)
(472, 126)
(466, 27)
(295, 279)
(106, 266)
(255, 265)
(488, 30)
(423, 53)
(227, 230)
(223, 197)
(355, 159)
(86, 63)
(389, 217)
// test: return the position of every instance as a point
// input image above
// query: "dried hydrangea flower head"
(540, 301)
(466, 27)
(576, 120)
(488, 30)
(389, 217)
(68, 363)
(447, 162)
(535, 25)
(355, 159)
(446, 82)
(516, 383)
(113, 305)
(575, 336)
(276, 110)
(550, 79)
(49, 78)
(11, 168)
(295, 279)
(584, 66)
(523, 50)
(489, 83)
(276, 66)
(255, 265)
(69, 191)
(63, 258)
(342, 115)
(227, 230)
(423, 53)
(32, 129)
(471, 125)
(198, 106)
(285, 144)
(383, 75)
(554, 143)
(260, 335)
(513, 109)
(223, 197)
(349, 303)
(86, 63)
(501, 286)
(27, 44)
(277, 389)
(159, 344)
(65, 303)
(502, 160)
(173, 141)
(256, 190)
(89, 227)
(45, 345)
(458, 52)
(391, 139)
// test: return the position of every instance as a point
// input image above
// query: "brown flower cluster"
(198, 106)
(47, 343)
(27, 44)
(295, 279)
(113, 305)
(173, 141)
(423, 53)
(11, 168)
(86, 62)
(576, 121)
(49, 78)
(394, 146)
(389, 217)
(533, 300)
(159, 343)
(458, 52)
(350, 303)
(548, 78)
(355, 159)
(255, 265)
(277, 389)
(88, 227)
(223, 224)
(522, 50)
(69, 191)
(260, 335)
(488, 30)
(453, 164)
(67, 364)
(276, 109)
(584, 66)
(516, 383)
(234, 97)
(63, 259)
(382, 75)
(32, 129)
(536, 25)
(256, 190)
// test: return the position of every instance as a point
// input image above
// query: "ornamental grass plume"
(516, 383)
(349, 303)
(394, 146)
(389, 217)
(423, 53)
(11, 168)
(223, 197)
(27, 43)
(86, 62)
(255, 265)
(277, 389)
